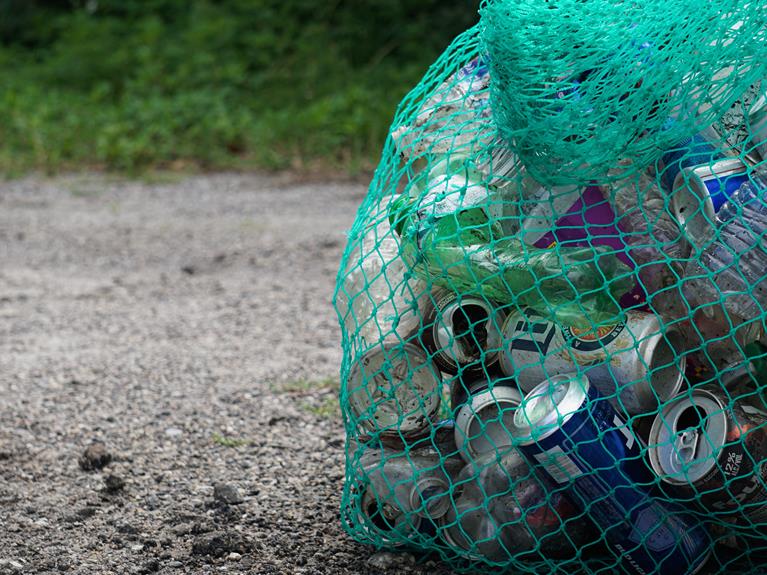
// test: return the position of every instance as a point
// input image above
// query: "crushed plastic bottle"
(451, 233)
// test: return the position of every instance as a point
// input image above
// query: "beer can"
(504, 509)
(636, 363)
(394, 390)
(463, 332)
(757, 126)
(572, 434)
(389, 521)
(699, 192)
(707, 447)
(481, 424)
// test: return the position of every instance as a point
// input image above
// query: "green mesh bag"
(553, 297)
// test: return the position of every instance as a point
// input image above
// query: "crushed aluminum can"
(566, 429)
(699, 192)
(634, 363)
(705, 446)
(463, 332)
(394, 390)
(481, 423)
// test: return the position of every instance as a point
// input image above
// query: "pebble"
(234, 556)
(95, 457)
(227, 493)
(388, 561)
(173, 432)
(113, 484)
(12, 565)
(221, 543)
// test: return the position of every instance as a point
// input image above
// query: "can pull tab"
(686, 446)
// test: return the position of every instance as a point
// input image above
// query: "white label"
(558, 464)
(621, 426)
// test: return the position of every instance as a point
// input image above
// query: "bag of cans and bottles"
(554, 295)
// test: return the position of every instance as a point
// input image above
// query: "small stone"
(234, 556)
(174, 564)
(221, 543)
(227, 493)
(137, 547)
(387, 561)
(152, 502)
(11, 565)
(113, 484)
(95, 457)
(173, 432)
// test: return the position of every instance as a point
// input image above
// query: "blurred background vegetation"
(130, 85)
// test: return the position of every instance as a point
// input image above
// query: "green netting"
(553, 297)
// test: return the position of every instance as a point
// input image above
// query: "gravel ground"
(168, 378)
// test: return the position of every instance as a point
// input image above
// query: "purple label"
(591, 222)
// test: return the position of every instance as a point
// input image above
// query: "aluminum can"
(757, 126)
(699, 192)
(394, 390)
(707, 447)
(481, 424)
(696, 150)
(633, 363)
(463, 332)
(576, 437)
(503, 509)
(403, 494)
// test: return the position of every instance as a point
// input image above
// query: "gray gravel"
(187, 326)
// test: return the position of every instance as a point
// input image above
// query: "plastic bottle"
(656, 246)
(451, 233)
(379, 298)
(727, 286)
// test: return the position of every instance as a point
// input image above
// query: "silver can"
(503, 509)
(463, 332)
(394, 390)
(482, 423)
(634, 363)
(706, 446)
(699, 192)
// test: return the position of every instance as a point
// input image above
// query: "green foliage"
(129, 84)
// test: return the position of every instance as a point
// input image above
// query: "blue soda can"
(566, 429)
(694, 151)
(699, 192)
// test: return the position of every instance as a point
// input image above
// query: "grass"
(319, 396)
(232, 442)
(133, 87)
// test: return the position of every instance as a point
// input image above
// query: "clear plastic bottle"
(380, 299)
(656, 246)
(451, 233)
(727, 285)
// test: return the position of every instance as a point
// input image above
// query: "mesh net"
(553, 297)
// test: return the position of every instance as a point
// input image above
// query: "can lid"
(686, 437)
(548, 407)
(467, 330)
(394, 389)
(483, 424)
(430, 497)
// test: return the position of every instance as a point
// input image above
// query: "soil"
(169, 363)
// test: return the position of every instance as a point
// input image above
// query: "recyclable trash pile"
(553, 297)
